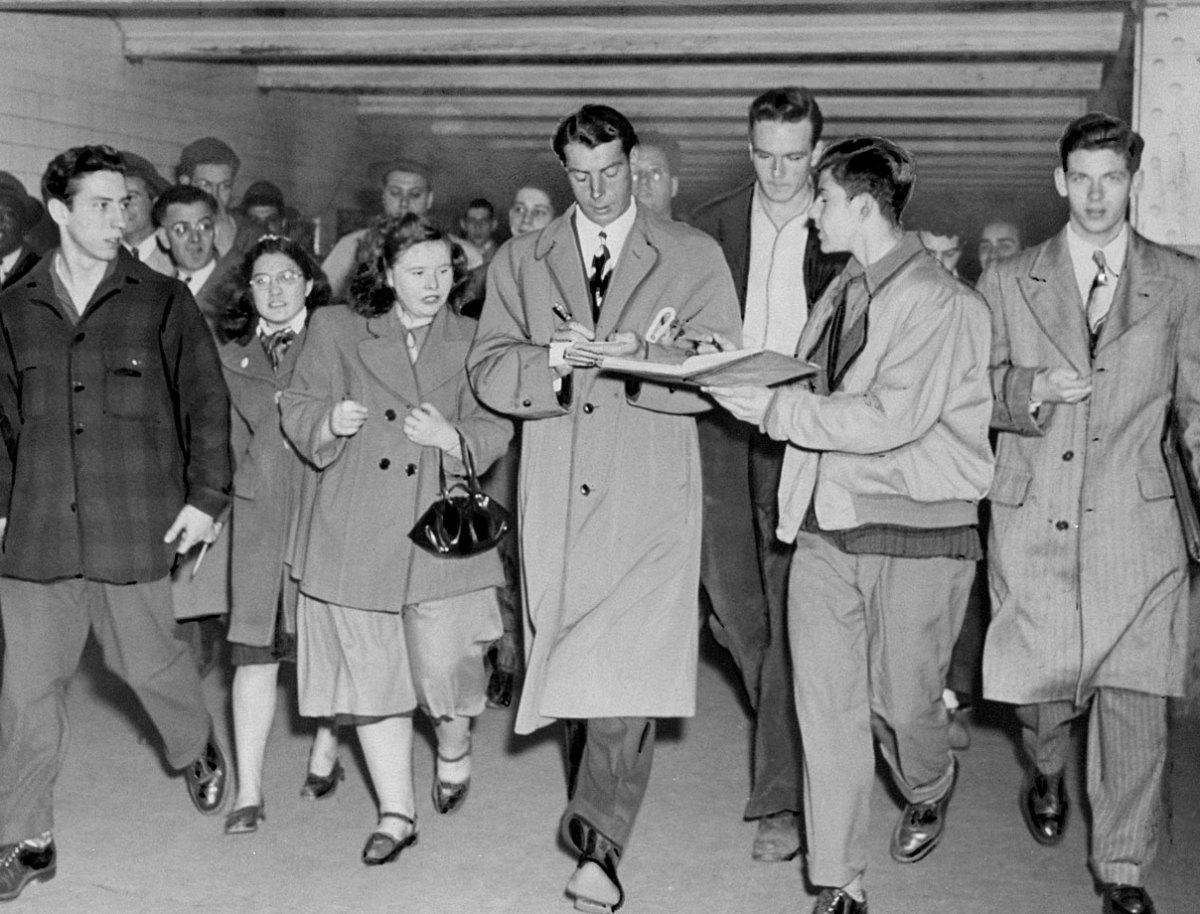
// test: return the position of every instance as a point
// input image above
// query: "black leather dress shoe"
(839, 901)
(1044, 807)
(21, 864)
(1126, 899)
(207, 778)
(921, 825)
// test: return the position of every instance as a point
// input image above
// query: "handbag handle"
(468, 461)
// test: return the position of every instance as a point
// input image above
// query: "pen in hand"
(199, 559)
(560, 313)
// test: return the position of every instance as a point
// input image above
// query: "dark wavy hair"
(875, 166)
(65, 171)
(239, 318)
(370, 294)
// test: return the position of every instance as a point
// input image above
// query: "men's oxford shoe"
(921, 825)
(777, 838)
(839, 901)
(21, 864)
(1126, 899)
(207, 778)
(1045, 808)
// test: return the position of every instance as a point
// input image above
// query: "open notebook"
(739, 368)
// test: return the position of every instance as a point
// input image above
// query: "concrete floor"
(129, 841)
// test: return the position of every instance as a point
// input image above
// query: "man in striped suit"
(1095, 344)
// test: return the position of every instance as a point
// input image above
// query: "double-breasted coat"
(1088, 571)
(268, 480)
(609, 487)
(374, 485)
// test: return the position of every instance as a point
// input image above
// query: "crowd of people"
(211, 437)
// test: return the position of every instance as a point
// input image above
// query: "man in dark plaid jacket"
(116, 430)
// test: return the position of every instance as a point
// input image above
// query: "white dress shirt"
(776, 300)
(195, 281)
(8, 262)
(1085, 268)
(588, 234)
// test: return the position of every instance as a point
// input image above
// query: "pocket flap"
(1010, 487)
(1154, 483)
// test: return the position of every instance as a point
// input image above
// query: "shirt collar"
(199, 277)
(296, 324)
(615, 233)
(887, 266)
(146, 247)
(1082, 250)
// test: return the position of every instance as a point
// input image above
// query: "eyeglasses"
(262, 281)
(650, 175)
(182, 230)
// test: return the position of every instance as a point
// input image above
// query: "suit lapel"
(385, 356)
(1138, 291)
(1052, 295)
(566, 268)
(638, 257)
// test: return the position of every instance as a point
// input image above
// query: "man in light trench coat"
(1088, 570)
(609, 489)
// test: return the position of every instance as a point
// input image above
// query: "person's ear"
(59, 211)
(634, 155)
(818, 150)
(674, 186)
(308, 287)
(1135, 184)
(164, 240)
(1060, 181)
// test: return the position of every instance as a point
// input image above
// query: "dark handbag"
(1183, 483)
(464, 520)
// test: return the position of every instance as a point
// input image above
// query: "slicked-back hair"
(181, 193)
(238, 317)
(61, 178)
(1097, 130)
(787, 104)
(370, 294)
(593, 125)
(875, 166)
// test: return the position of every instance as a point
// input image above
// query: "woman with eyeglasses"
(263, 330)
(379, 398)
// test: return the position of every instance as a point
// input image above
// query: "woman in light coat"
(379, 396)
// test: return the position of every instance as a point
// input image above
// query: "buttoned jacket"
(1087, 565)
(112, 423)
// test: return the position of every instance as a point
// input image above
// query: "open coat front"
(1087, 565)
(610, 482)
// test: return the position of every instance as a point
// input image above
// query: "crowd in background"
(180, 363)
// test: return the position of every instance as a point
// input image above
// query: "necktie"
(839, 344)
(410, 342)
(134, 252)
(600, 275)
(276, 345)
(1099, 299)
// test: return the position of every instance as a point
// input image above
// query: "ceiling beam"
(915, 107)
(725, 78)
(457, 7)
(735, 128)
(983, 149)
(785, 34)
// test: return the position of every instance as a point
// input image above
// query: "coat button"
(411, 469)
(74, 507)
(588, 408)
(77, 387)
(1069, 455)
(390, 415)
(585, 489)
(79, 430)
(527, 403)
(384, 463)
(1062, 525)
(80, 337)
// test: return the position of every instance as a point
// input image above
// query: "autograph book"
(738, 368)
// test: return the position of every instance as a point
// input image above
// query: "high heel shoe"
(317, 787)
(382, 847)
(450, 795)
(245, 819)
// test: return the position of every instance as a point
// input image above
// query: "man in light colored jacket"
(888, 457)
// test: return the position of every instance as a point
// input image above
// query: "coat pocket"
(130, 385)
(1010, 487)
(1154, 483)
(35, 382)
